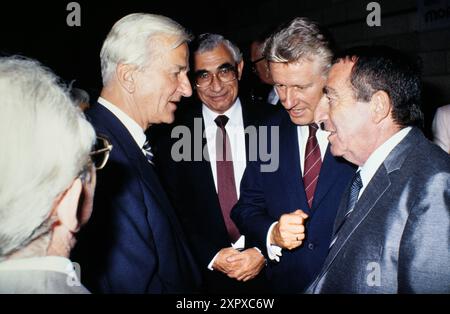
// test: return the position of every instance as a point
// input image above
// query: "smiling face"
(218, 96)
(299, 86)
(159, 86)
(348, 120)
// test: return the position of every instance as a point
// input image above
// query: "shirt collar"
(304, 130)
(135, 129)
(234, 114)
(45, 263)
(380, 154)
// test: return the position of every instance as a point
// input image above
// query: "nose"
(321, 112)
(216, 84)
(185, 86)
(289, 99)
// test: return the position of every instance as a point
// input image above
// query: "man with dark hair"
(391, 233)
(261, 82)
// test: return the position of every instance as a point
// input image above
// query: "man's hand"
(289, 232)
(221, 264)
(249, 262)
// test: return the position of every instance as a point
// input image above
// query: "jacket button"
(311, 246)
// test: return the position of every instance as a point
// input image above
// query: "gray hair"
(45, 142)
(78, 95)
(133, 40)
(299, 39)
(207, 42)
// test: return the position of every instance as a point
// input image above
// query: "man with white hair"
(46, 171)
(134, 243)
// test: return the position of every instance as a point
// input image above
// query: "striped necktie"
(355, 187)
(313, 162)
(147, 149)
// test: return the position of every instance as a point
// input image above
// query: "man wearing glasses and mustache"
(134, 243)
(204, 191)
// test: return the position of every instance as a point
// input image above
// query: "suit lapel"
(290, 165)
(249, 118)
(201, 174)
(129, 147)
(374, 191)
(376, 188)
(246, 118)
(214, 214)
(329, 172)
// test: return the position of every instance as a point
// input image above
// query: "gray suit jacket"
(37, 282)
(397, 240)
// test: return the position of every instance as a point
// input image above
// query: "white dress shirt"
(235, 131)
(367, 171)
(274, 251)
(273, 97)
(132, 126)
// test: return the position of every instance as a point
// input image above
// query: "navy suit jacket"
(133, 242)
(190, 186)
(265, 196)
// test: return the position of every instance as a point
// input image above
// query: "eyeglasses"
(225, 74)
(100, 152)
(254, 64)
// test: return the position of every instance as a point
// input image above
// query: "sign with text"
(433, 14)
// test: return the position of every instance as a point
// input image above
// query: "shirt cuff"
(238, 245)
(210, 265)
(273, 251)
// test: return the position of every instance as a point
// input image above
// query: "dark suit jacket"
(397, 238)
(265, 196)
(133, 242)
(191, 189)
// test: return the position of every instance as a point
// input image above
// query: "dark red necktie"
(313, 162)
(226, 185)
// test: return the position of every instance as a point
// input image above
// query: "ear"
(380, 105)
(240, 66)
(125, 75)
(67, 206)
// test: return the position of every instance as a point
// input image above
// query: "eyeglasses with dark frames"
(253, 63)
(100, 152)
(226, 73)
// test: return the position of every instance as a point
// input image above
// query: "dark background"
(39, 30)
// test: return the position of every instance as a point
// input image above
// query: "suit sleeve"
(250, 214)
(118, 250)
(424, 258)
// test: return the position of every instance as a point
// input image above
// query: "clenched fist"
(289, 232)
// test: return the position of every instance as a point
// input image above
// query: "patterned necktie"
(313, 162)
(352, 199)
(225, 176)
(147, 149)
